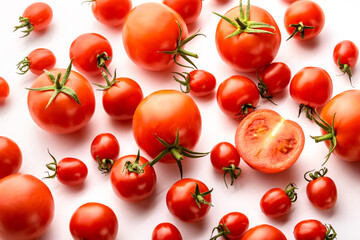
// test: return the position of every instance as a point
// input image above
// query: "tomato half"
(263, 231)
(346, 55)
(111, 12)
(4, 90)
(189, 10)
(166, 231)
(10, 157)
(267, 142)
(232, 226)
(37, 60)
(312, 229)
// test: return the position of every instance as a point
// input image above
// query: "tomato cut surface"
(267, 142)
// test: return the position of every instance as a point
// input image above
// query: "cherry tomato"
(132, 179)
(26, 207)
(237, 96)
(110, 12)
(92, 53)
(199, 83)
(312, 229)
(289, 1)
(264, 149)
(36, 17)
(189, 10)
(10, 157)
(93, 221)
(248, 51)
(4, 90)
(189, 200)
(232, 226)
(37, 60)
(166, 231)
(70, 109)
(263, 232)
(105, 146)
(346, 55)
(304, 20)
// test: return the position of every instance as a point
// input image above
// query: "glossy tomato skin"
(322, 193)
(121, 99)
(63, 115)
(276, 77)
(275, 203)
(263, 232)
(10, 157)
(189, 10)
(4, 90)
(71, 171)
(224, 154)
(202, 83)
(237, 223)
(93, 221)
(348, 53)
(111, 13)
(310, 230)
(166, 231)
(163, 113)
(247, 52)
(27, 212)
(105, 146)
(158, 21)
(85, 49)
(40, 15)
(182, 204)
(40, 59)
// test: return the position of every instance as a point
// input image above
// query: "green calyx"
(183, 83)
(51, 166)
(243, 24)
(233, 171)
(330, 233)
(108, 82)
(245, 110)
(104, 165)
(24, 23)
(299, 28)
(263, 89)
(135, 166)
(23, 66)
(101, 61)
(346, 69)
(199, 197)
(223, 231)
(313, 175)
(290, 192)
(58, 86)
(308, 111)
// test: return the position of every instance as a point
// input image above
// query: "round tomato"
(105, 146)
(166, 231)
(37, 60)
(189, 200)
(189, 10)
(231, 226)
(93, 221)
(263, 231)
(237, 96)
(304, 20)
(110, 12)
(26, 207)
(4, 90)
(199, 83)
(267, 142)
(313, 230)
(246, 47)
(10, 157)
(61, 101)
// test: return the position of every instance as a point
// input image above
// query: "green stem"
(242, 25)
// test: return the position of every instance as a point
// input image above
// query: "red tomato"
(189, 200)
(189, 10)
(199, 83)
(36, 17)
(313, 230)
(10, 157)
(289, 1)
(237, 96)
(37, 60)
(26, 207)
(232, 226)
(166, 231)
(4, 90)
(105, 146)
(304, 17)
(263, 232)
(267, 142)
(92, 53)
(345, 55)
(132, 179)
(93, 221)
(70, 109)
(110, 12)
(248, 51)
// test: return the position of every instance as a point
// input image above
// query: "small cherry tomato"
(263, 231)
(10, 157)
(37, 60)
(111, 13)
(237, 96)
(312, 229)
(4, 90)
(231, 226)
(199, 83)
(189, 10)
(189, 200)
(289, 1)
(93, 221)
(277, 202)
(166, 231)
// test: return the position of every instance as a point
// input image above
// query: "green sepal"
(23, 66)
(135, 166)
(233, 171)
(109, 83)
(24, 23)
(299, 28)
(223, 231)
(199, 197)
(308, 111)
(313, 175)
(101, 61)
(105, 165)
(185, 82)
(51, 166)
(244, 110)
(290, 192)
(346, 69)
(263, 89)
(330, 233)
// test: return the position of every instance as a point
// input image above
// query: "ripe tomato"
(231, 226)
(94, 221)
(111, 13)
(312, 229)
(26, 207)
(267, 142)
(92, 53)
(61, 104)
(247, 48)
(132, 179)
(37, 60)
(237, 96)
(10, 157)
(345, 55)
(166, 231)
(189, 10)
(199, 83)
(189, 200)
(277, 202)
(304, 17)
(4, 90)
(36, 17)
(263, 231)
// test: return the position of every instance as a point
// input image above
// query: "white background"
(137, 220)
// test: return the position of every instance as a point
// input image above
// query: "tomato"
(304, 17)
(189, 200)
(267, 142)
(231, 226)
(289, 1)
(166, 231)
(10, 157)
(105, 146)
(111, 13)
(61, 104)
(312, 229)
(199, 83)
(189, 10)
(237, 96)
(37, 60)
(248, 48)
(92, 53)
(26, 207)
(94, 221)
(36, 17)
(311, 87)
(132, 179)
(225, 159)
(277, 202)
(263, 232)
(4, 90)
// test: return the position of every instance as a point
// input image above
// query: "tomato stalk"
(199, 197)
(299, 28)
(108, 82)
(244, 110)
(346, 69)
(223, 231)
(135, 166)
(233, 171)
(330, 233)
(313, 175)
(101, 61)
(24, 23)
(263, 89)
(185, 82)
(23, 66)
(308, 111)
(104, 165)
(51, 166)
(290, 192)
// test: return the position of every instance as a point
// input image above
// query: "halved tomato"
(267, 142)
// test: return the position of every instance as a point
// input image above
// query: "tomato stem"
(299, 28)
(23, 66)
(108, 82)
(101, 61)
(24, 23)
(185, 82)
(135, 166)
(308, 111)
(242, 25)
(105, 165)
(330, 233)
(263, 89)
(346, 69)
(290, 192)
(51, 166)
(313, 175)
(233, 171)
(223, 231)
(199, 197)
